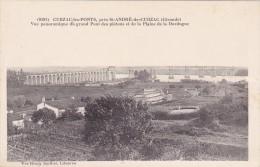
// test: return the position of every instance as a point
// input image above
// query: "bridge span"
(107, 74)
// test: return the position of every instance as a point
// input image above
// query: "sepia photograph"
(128, 113)
(129, 83)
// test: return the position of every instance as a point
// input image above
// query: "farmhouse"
(17, 119)
(59, 106)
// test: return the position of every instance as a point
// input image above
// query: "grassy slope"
(60, 142)
(63, 141)
(180, 138)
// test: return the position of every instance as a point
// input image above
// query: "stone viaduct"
(107, 74)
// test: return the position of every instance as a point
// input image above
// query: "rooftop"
(66, 103)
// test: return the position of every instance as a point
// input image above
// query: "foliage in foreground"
(45, 115)
(118, 128)
(228, 110)
(71, 114)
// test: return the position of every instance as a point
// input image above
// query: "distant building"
(19, 123)
(18, 120)
(59, 106)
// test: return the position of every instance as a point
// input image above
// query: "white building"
(19, 123)
(59, 106)
(19, 120)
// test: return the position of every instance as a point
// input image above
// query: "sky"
(217, 35)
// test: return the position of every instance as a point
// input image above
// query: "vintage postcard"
(129, 83)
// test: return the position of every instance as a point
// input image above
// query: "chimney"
(72, 97)
(52, 99)
(24, 115)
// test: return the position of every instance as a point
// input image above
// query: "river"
(177, 78)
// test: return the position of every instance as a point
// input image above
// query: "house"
(59, 106)
(19, 123)
(18, 120)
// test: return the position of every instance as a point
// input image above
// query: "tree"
(71, 114)
(14, 79)
(223, 82)
(143, 75)
(85, 99)
(118, 128)
(10, 127)
(10, 103)
(28, 103)
(227, 99)
(206, 90)
(16, 102)
(136, 73)
(45, 115)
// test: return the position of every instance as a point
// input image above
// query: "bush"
(85, 99)
(123, 85)
(206, 116)
(28, 103)
(117, 127)
(206, 90)
(197, 86)
(228, 111)
(10, 127)
(143, 75)
(16, 101)
(71, 114)
(207, 119)
(223, 82)
(152, 151)
(45, 115)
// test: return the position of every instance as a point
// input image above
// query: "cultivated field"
(59, 142)
(63, 142)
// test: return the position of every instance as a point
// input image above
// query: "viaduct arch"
(107, 74)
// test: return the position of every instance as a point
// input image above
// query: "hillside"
(63, 142)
